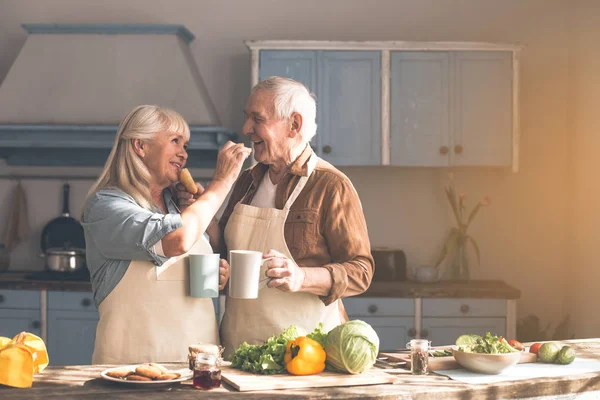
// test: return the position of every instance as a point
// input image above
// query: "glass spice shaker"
(419, 355)
(207, 372)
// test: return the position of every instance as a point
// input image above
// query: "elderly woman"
(137, 241)
(299, 209)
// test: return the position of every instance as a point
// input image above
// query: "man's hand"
(185, 198)
(284, 273)
(223, 273)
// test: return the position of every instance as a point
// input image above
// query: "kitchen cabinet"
(405, 104)
(440, 320)
(72, 320)
(347, 85)
(446, 319)
(392, 319)
(19, 311)
(451, 108)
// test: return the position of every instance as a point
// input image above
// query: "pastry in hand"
(187, 181)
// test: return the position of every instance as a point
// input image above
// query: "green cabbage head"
(352, 347)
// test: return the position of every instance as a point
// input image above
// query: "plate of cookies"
(146, 374)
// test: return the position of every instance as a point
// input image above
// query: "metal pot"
(64, 260)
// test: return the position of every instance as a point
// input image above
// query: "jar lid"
(205, 349)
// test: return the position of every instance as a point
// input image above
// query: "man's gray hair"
(291, 96)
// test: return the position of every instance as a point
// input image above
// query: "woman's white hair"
(124, 169)
(291, 96)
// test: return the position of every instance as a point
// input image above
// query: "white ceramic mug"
(245, 278)
(204, 275)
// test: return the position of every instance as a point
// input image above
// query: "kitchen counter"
(77, 382)
(18, 280)
(479, 289)
(448, 289)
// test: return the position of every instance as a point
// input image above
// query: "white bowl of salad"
(487, 354)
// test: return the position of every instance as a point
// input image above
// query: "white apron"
(255, 320)
(150, 316)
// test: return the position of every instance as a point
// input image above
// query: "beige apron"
(150, 317)
(255, 320)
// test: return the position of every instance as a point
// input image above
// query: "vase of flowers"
(458, 238)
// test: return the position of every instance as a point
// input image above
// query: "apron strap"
(312, 163)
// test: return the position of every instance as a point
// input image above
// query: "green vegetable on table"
(488, 344)
(352, 347)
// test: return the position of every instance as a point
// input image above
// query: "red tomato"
(516, 345)
(535, 348)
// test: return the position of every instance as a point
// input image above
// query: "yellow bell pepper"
(20, 358)
(304, 356)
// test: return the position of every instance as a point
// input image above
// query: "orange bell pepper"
(304, 356)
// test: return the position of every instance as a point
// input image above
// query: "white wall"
(522, 235)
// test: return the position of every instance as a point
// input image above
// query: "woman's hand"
(185, 198)
(284, 273)
(223, 273)
(229, 162)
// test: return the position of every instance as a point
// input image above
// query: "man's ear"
(139, 147)
(296, 122)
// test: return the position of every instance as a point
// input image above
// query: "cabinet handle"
(444, 150)
(1, 299)
(327, 149)
(372, 309)
(36, 324)
(86, 302)
(458, 149)
(424, 333)
(412, 332)
(464, 308)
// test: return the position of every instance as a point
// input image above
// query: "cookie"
(162, 368)
(168, 376)
(148, 371)
(119, 373)
(135, 377)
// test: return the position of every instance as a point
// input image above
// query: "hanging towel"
(17, 227)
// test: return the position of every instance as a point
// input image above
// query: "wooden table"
(81, 382)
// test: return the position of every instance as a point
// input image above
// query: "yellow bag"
(20, 358)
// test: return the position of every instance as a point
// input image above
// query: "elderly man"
(299, 209)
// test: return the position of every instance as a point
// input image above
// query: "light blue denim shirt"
(117, 231)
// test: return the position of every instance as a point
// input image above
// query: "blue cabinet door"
(12, 322)
(419, 108)
(295, 64)
(349, 107)
(71, 336)
(393, 332)
(444, 331)
(482, 108)
(347, 85)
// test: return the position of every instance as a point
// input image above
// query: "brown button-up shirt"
(326, 226)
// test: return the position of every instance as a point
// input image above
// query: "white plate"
(184, 372)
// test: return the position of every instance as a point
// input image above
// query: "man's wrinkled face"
(270, 136)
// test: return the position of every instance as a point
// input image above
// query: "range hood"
(70, 86)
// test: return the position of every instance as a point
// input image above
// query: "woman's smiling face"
(165, 156)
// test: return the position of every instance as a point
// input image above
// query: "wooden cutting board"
(245, 381)
(438, 363)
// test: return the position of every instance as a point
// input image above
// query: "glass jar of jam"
(207, 373)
